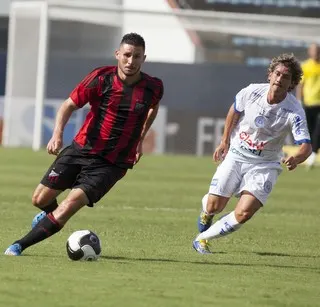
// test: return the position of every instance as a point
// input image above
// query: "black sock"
(53, 205)
(47, 227)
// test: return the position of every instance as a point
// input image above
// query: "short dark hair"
(133, 39)
(291, 62)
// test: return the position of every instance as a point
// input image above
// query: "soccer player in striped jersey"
(124, 102)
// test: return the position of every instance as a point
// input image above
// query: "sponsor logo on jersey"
(258, 145)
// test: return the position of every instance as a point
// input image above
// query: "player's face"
(280, 79)
(130, 59)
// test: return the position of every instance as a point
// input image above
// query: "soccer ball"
(83, 245)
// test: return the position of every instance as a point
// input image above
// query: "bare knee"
(216, 204)
(247, 206)
(243, 216)
(42, 196)
(38, 200)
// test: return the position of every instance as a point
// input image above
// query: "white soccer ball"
(83, 245)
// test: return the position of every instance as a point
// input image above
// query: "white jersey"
(262, 128)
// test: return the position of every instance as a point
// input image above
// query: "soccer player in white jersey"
(251, 149)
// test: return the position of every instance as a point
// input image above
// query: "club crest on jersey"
(267, 186)
(259, 121)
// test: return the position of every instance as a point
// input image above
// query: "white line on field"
(150, 209)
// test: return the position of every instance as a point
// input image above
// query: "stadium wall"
(195, 103)
(196, 98)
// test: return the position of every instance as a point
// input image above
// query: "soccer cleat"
(38, 218)
(201, 246)
(14, 250)
(204, 221)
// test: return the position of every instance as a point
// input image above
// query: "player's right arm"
(231, 121)
(62, 117)
(86, 91)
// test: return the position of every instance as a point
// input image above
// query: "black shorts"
(313, 121)
(92, 174)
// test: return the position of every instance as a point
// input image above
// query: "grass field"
(146, 225)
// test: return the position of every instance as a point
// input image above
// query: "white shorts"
(233, 177)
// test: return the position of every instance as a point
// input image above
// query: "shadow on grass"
(231, 264)
(284, 255)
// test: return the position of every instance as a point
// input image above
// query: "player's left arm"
(152, 114)
(303, 153)
(302, 137)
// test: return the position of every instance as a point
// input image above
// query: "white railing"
(257, 25)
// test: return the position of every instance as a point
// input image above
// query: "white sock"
(226, 225)
(204, 203)
(311, 159)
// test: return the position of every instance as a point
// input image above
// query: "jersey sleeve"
(299, 127)
(240, 100)
(87, 90)
(158, 92)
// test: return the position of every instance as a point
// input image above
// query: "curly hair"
(133, 39)
(291, 62)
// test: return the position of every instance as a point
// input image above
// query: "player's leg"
(51, 223)
(215, 205)
(92, 183)
(316, 134)
(254, 189)
(223, 184)
(44, 198)
(212, 205)
(312, 117)
(98, 178)
(247, 206)
(59, 177)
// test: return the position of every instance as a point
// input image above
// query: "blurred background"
(204, 50)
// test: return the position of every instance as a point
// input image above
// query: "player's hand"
(221, 152)
(290, 162)
(139, 153)
(54, 145)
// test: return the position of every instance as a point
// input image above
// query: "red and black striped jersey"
(113, 126)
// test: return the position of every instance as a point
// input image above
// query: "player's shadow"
(125, 260)
(272, 254)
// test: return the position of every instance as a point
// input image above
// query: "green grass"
(146, 225)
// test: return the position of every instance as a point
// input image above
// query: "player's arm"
(231, 121)
(62, 117)
(152, 114)
(86, 91)
(301, 136)
(303, 153)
